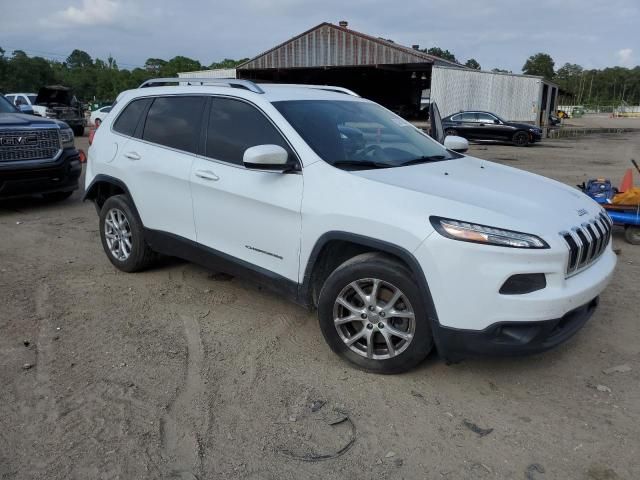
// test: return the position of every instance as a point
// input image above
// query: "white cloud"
(625, 56)
(91, 12)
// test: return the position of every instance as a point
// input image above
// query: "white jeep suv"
(399, 242)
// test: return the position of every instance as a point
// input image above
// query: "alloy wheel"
(117, 232)
(374, 318)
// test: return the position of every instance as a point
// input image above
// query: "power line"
(60, 55)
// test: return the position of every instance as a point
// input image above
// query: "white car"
(98, 115)
(401, 243)
(19, 99)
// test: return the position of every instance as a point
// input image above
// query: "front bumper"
(535, 136)
(512, 338)
(465, 281)
(29, 178)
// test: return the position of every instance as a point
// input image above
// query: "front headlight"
(471, 232)
(66, 137)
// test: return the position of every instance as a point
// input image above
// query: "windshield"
(360, 135)
(32, 99)
(5, 106)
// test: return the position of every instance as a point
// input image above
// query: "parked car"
(477, 125)
(98, 114)
(60, 103)
(401, 243)
(20, 100)
(37, 156)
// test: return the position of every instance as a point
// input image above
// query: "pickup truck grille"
(587, 242)
(36, 144)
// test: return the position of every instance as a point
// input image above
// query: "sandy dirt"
(183, 373)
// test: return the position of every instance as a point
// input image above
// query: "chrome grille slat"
(586, 243)
(47, 145)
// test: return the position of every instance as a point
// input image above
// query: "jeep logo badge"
(582, 212)
(17, 140)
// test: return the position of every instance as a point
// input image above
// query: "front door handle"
(207, 175)
(132, 156)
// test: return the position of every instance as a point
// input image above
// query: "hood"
(474, 190)
(524, 126)
(55, 94)
(21, 120)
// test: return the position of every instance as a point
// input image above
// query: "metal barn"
(393, 75)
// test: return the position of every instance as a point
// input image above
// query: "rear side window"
(130, 117)
(468, 117)
(175, 122)
(235, 126)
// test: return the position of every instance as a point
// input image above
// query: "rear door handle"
(132, 156)
(207, 175)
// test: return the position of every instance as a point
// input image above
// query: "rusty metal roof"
(329, 45)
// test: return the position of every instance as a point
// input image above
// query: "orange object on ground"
(83, 157)
(630, 197)
(627, 181)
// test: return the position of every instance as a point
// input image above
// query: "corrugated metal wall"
(513, 97)
(218, 73)
(330, 46)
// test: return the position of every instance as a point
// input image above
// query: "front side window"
(175, 122)
(234, 126)
(468, 117)
(486, 118)
(129, 118)
(358, 135)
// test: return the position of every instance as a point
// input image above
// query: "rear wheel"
(632, 234)
(56, 196)
(372, 314)
(521, 139)
(122, 235)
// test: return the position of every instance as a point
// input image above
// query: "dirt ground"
(183, 373)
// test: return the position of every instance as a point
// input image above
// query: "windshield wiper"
(423, 159)
(361, 163)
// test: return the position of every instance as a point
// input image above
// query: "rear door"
(251, 215)
(156, 162)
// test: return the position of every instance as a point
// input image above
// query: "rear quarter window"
(129, 118)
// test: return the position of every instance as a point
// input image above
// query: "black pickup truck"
(37, 155)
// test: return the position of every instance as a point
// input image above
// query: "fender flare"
(374, 244)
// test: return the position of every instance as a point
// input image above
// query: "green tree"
(440, 53)
(227, 63)
(500, 70)
(540, 64)
(179, 64)
(473, 63)
(154, 65)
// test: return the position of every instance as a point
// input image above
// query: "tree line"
(91, 79)
(101, 80)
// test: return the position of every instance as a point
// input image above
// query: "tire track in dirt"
(186, 420)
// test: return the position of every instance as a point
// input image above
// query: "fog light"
(523, 283)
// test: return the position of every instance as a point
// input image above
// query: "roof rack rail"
(330, 88)
(229, 82)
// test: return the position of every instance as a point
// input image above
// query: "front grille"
(587, 242)
(36, 144)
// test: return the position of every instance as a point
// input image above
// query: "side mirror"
(496, 121)
(266, 157)
(457, 144)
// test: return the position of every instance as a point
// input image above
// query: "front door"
(250, 215)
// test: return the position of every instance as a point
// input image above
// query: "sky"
(497, 33)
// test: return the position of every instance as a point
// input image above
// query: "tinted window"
(11, 98)
(128, 120)
(485, 118)
(468, 117)
(235, 126)
(174, 122)
(106, 109)
(5, 106)
(357, 134)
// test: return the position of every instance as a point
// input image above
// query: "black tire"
(78, 131)
(57, 196)
(521, 139)
(140, 254)
(451, 132)
(391, 273)
(632, 234)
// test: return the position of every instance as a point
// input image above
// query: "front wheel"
(521, 139)
(372, 314)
